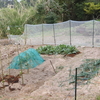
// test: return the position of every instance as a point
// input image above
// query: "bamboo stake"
(30, 42)
(27, 64)
(8, 51)
(42, 35)
(54, 34)
(8, 59)
(52, 66)
(26, 34)
(1, 67)
(26, 58)
(70, 32)
(25, 47)
(21, 71)
(93, 35)
(27, 69)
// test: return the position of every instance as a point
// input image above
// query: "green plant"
(59, 68)
(60, 49)
(88, 70)
(48, 49)
(16, 19)
(51, 18)
(98, 97)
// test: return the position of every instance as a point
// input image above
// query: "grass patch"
(98, 97)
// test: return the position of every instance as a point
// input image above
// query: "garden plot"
(42, 83)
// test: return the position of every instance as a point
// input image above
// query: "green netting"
(27, 59)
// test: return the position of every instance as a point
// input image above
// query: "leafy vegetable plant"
(60, 49)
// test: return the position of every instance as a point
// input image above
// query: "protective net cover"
(27, 59)
(78, 33)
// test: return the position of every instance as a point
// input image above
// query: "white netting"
(62, 33)
(97, 33)
(81, 33)
(15, 38)
(33, 33)
(78, 33)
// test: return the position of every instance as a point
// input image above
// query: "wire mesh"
(26, 60)
(78, 33)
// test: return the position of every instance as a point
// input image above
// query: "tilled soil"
(45, 83)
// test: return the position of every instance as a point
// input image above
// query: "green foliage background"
(45, 11)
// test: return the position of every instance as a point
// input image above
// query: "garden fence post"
(70, 31)
(54, 34)
(1, 66)
(42, 35)
(76, 84)
(8, 58)
(25, 33)
(93, 35)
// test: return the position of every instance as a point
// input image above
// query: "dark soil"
(72, 55)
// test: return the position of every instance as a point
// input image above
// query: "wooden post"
(70, 32)
(1, 66)
(42, 35)
(54, 35)
(27, 64)
(52, 66)
(8, 59)
(93, 35)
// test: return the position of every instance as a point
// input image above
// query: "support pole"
(8, 58)
(27, 63)
(52, 66)
(76, 84)
(30, 42)
(54, 34)
(93, 35)
(42, 35)
(25, 34)
(70, 32)
(1, 67)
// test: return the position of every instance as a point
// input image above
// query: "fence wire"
(78, 33)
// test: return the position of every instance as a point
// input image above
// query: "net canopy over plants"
(27, 59)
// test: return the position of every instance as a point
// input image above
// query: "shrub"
(51, 18)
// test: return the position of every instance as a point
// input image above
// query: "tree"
(15, 19)
(29, 3)
(51, 18)
(4, 3)
(92, 9)
(69, 8)
(1, 4)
